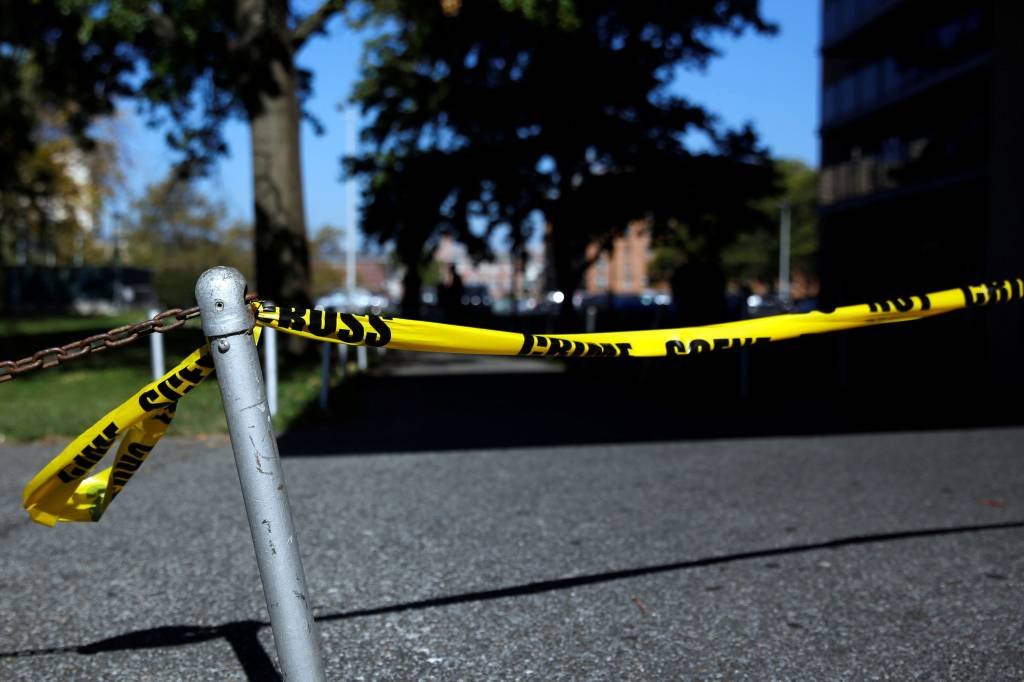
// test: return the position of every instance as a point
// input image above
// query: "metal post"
(784, 223)
(156, 350)
(325, 374)
(350, 228)
(343, 359)
(270, 366)
(228, 324)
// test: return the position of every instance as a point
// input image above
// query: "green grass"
(27, 326)
(62, 402)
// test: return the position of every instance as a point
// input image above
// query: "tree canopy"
(177, 232)
(490, 114)
(54, 173)
(754, 253)
(189, 66)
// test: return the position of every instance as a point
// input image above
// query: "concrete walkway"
(870, 556)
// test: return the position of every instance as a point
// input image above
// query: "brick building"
(623, 269)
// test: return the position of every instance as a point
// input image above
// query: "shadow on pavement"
(257, 665)
(426, 402)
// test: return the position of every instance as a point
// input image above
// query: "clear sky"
(770, 81)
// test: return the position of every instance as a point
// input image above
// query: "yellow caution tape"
(372, 330)
(65, 491)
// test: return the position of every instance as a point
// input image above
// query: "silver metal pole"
(350, 228)
(156, 350)
(784, 225)
(270, 366)
(325, 374)
(228, 324)
(343, 359)
(350, 210)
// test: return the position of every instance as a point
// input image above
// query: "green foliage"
(52, 185)
(189, 65)
(431, 274)
(89, 391)
(561, 13)
(753, 256)
(755, 252)
(327, 244)
(665, 260)
(178, 233)
(484, 115)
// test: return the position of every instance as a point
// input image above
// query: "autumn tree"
(190, 66)
(177, 232)
(57, 168)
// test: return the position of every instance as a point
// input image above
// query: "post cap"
(220, 294)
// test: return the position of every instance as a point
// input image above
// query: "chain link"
(164, 322)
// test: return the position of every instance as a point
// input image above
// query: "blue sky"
(770, 81)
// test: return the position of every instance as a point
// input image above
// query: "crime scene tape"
(372, 330)
(65, 490)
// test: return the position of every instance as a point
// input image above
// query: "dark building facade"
(920, 186)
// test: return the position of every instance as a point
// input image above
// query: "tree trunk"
(698, 290)
(565, 257)
(282, 256)
(412, 288)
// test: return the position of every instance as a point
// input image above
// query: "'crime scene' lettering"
(90, 454)
(552, 346)
(175, 386)
(901, 305)
(126, 466)
(676, 347)
(993, 292)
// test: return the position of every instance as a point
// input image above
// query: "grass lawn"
(63, 401)
(26, 326)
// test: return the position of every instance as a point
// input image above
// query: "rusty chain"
(115, 338)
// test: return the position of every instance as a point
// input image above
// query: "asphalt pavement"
(875, 555)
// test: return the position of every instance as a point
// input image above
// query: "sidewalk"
(891, 556)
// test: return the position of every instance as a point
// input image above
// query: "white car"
(358, 301)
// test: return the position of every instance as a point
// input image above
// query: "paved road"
(868, 556)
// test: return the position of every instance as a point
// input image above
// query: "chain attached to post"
(164, 322)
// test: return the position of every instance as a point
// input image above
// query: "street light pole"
(784, 229)
(350, 227)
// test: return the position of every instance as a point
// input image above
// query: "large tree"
(558, 108)
(177, 232)
(53, 175)
(755, 252)
(191, 65)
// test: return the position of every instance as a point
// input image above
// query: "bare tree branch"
(315, 21)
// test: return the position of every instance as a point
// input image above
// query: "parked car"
(476, 295)
(358, 301)
(763, 306)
